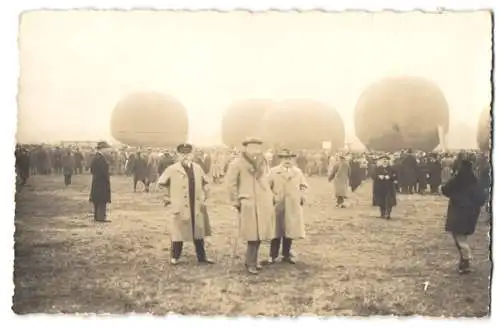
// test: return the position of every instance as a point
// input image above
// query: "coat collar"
(179, 168)
(282, 171)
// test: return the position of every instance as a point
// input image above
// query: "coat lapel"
(180, 169)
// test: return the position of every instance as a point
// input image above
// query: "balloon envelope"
(244, 119)
(149, 119)
(303, 124)
(484, 129)
(401, 112)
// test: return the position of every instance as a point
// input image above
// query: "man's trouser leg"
(252, 253)
(275, 248)
(463, 247)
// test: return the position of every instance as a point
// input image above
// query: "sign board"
(326, 145)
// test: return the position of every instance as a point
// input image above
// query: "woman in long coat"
(340, 175)
(288, 184)
(384, 189)
(466, 197)
(250, 194)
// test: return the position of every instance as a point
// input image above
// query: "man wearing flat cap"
(251, 195)
(384, 189)
(100, 192)
(186, 193)
(288, 184)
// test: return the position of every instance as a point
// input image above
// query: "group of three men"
(268, 202)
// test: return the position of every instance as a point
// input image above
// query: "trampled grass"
(351, 263)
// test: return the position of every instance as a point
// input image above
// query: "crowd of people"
(268, 188)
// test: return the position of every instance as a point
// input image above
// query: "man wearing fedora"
(384, 189)
(288, 185)
(100, 192)
(250, 194)
(185, 185)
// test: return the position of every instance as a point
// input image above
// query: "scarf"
(257, 165)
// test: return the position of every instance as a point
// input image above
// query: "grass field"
(351, 263)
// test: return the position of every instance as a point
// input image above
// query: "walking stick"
(234, 252)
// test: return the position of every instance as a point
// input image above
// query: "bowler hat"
(184, 148)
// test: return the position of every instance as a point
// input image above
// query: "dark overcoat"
(356, 176)
(100, 191)
(384, 190)
(464, 206)
(408, 171)
(140, 168)
(435, 169)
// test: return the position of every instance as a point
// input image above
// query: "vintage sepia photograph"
(254, 163)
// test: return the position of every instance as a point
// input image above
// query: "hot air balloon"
(484, 129)
(401, 112)
(303, 124)
(243, 119)
(149, 119)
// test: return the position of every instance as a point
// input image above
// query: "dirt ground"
(351, 263)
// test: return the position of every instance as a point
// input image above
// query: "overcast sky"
(76, 65)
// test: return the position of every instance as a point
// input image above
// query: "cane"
(234, 252)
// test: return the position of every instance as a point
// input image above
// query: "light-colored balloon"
(303, 124)
(243, 119)
(149, 119)
(401, 112)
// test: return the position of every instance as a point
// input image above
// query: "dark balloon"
(243, 119)
(149, 119)
(303, 124)
(484, 129)
(401, 112)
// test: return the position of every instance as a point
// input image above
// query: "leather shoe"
(206, 261)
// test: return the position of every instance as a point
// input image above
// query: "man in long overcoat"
(466, 197)
(409, 171)
(68, 166)
(185, 184)
(100, 192)
(288, 184)
(251, 195)
(140, 171)
(356, 176)
(435, 169)
(384, 190)
(422, 174)
(340, 175)
(78, 161)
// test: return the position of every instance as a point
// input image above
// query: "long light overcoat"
(289, 188)
(340, 174)
(177, 192)
(256, 215)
